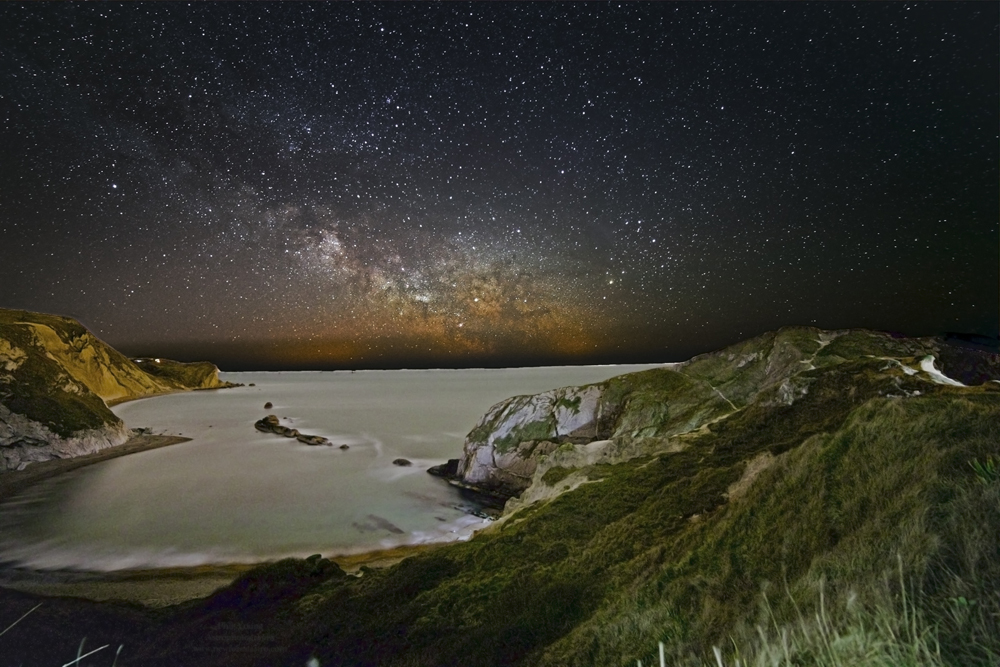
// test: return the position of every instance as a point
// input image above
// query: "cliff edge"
(57, 380)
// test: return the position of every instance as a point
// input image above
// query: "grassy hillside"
(846, 484)
(54, 371)
(37, 386)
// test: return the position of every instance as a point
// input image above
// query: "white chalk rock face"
(501, 453)
(576, 412)
(24, 441)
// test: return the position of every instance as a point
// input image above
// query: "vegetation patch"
(178, 374)
(537, 430)
(570, 404)
(859, 343)
(557, 474)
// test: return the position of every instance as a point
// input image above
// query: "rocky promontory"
(521, 438)
(57, 380)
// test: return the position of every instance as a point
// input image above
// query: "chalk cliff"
(520, 439)
(57, 379)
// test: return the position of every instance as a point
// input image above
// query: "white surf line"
(927, 366)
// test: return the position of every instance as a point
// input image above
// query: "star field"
(334, 185)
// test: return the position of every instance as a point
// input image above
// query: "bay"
(233, 494)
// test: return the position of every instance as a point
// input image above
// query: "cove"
(233, 494)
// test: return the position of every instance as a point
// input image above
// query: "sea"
(233, 494)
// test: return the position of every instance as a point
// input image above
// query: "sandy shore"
(153, 587)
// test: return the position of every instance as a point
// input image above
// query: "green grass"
(67, 328)
(657, 402)
(742, 371)
(893, 632)
(836, 509)
(556, 474)
(857, 343)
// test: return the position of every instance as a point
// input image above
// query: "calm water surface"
(234, 494)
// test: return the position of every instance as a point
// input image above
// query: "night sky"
(362, 185)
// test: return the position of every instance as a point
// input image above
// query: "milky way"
(343, 185)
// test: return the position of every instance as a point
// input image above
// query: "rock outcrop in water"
(57, 380)
(521, 438)
(271, 424)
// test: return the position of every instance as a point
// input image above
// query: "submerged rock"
(402, 462)
(268, 405)
(268, 424)
(313, 440)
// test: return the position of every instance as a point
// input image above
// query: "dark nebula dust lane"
(348, 185)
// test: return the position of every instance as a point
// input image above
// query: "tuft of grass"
(988, 472)
(892, 632)
(22, 617)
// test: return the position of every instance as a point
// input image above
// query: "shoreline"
(112, 402)
(15, 481)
